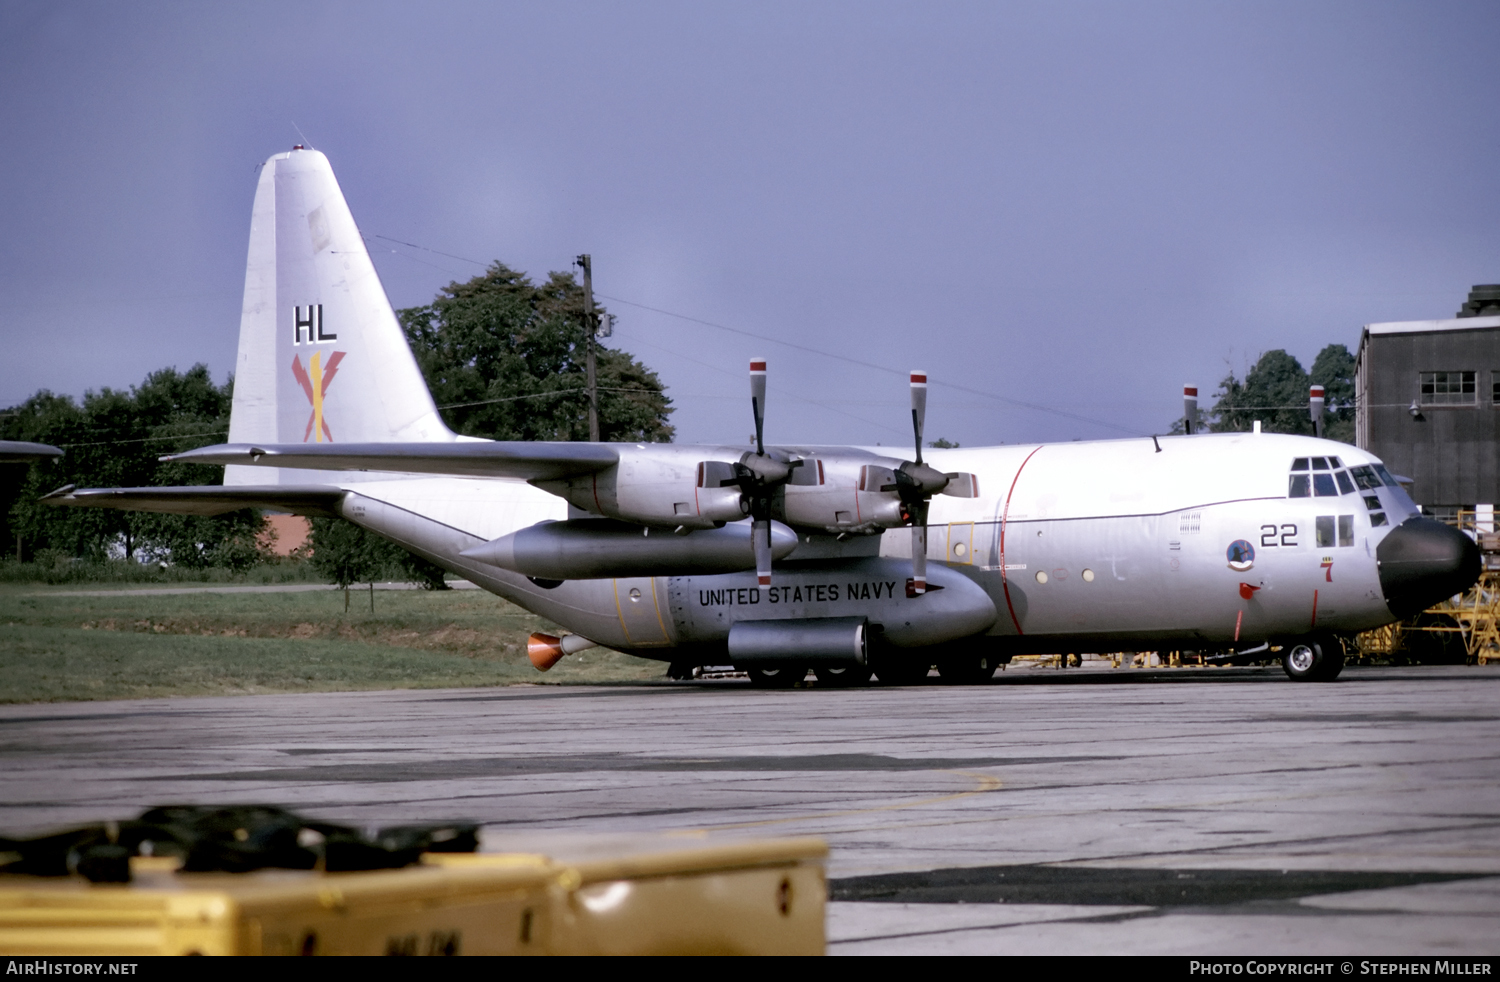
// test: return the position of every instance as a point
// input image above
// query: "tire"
(843, 678)
(968, 669)
(776, 678)
(1315, 659)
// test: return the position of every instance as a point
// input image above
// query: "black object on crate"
(231, 839)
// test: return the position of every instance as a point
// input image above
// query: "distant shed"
(1428, 403)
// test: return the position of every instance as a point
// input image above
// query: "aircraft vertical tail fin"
(322, 357)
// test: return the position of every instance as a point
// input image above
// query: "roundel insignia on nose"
(1241, 555)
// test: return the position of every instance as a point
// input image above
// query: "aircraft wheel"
(1315, 659)
(968, 669)
(896, 670)
(843, 678)
(775, 678)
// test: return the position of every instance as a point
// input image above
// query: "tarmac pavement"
(1222, 811)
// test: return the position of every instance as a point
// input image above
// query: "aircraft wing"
(498, 458)
(306, 499)
(19, 452)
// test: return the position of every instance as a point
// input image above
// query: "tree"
(113, 440)
(1333, 369)
(504, 359)
(1276, 392)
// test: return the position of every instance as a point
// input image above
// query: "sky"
(1062, 211)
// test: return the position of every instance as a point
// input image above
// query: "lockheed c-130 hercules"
(786, 558)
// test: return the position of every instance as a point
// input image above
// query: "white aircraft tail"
(322, 358)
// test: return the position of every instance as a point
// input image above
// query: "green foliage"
(1275, 392)
(942, 443)
(113, 440)
(480, 345)
(505, 358)
(345, 554)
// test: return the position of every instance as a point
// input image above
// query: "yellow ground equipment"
(760, 897)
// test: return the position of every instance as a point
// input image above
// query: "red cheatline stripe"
(1005, 521)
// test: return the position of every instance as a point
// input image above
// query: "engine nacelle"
(839, 496)
(599, 548)
(655, 484)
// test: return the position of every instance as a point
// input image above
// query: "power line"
(815, 351)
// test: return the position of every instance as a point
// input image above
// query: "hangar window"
(1447, 388)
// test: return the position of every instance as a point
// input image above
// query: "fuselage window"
(1346, 486)
(1323, 485)
(1346, 530)
(1324, 527)
(1299, 487)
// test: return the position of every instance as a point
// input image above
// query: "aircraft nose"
(1421, 562)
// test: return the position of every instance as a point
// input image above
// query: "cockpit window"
(1365, 478)
(1323, 485)
(1298, 487)
(1335, 463)
(1346, 486)
(1385, 476)
(1300, 464)
(1320, 463)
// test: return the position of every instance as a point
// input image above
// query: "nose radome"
(1422, 562)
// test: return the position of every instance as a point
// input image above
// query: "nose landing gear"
(1319, 658)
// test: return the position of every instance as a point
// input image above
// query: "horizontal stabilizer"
(20, 452)
(311, 499)
(523, 459)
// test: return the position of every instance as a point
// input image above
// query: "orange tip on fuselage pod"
(544, 650)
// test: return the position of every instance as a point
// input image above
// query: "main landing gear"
(1318, 658)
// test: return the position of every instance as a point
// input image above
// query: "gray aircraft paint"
(1150, 520)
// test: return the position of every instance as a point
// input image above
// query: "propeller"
(759, 474)
(916, 483)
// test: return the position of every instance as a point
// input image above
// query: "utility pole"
(590, 326)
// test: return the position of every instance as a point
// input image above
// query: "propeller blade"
(961, 485)
(919, 557)
(758, 401)
(761, 535)
(918, 407)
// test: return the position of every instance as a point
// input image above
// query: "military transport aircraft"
(1251, 546)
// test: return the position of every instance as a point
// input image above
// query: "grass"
(54, 646)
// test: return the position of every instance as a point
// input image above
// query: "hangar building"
(1428, 404)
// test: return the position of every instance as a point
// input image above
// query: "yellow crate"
(763, 897)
